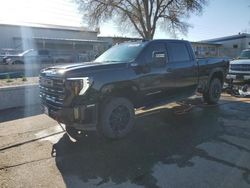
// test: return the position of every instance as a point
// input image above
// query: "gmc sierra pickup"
(102, 95)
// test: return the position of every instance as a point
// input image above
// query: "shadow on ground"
(158, 137)
(20, 112)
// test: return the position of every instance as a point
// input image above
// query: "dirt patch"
(18, 81)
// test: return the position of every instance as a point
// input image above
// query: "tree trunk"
(149, 35)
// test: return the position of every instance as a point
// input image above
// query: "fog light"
(76, 113)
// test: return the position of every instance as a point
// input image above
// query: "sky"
(220, 17)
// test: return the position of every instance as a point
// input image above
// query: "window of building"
(235, 46)
(43, 52)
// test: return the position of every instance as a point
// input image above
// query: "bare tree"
(142, 15)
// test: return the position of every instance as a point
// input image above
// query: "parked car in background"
(37, 56)
(6, 52)
(239, 69)
(29, 56)
(104, 94)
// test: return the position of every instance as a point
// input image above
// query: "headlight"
(78, 85)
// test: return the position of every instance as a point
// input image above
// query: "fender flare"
(205, 84)
(214, 71)
(124, 89)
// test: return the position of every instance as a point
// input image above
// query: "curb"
(19, 96)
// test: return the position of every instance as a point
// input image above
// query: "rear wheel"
(116, 118)
(212, 95)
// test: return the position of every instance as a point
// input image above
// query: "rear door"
(183, 66)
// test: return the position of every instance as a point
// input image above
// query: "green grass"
(24, 79)
(8, 80)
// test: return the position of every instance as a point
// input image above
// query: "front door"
(156, 82)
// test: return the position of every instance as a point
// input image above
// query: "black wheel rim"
(216, 91)
(119, 118)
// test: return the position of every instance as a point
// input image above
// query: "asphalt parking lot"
(206, 146)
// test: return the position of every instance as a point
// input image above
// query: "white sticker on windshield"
(134, 45)
(160, 55)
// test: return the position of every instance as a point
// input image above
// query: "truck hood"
(78, 69)
(240, 61)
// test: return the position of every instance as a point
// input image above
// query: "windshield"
(245, 55)
(121, 53)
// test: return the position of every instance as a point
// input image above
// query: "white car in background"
(239, 69)
(42, 56)
(29, 56)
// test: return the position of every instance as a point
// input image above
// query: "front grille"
(240, 67)
(52, 92)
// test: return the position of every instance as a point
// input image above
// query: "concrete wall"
(28, 68)
(17, 96)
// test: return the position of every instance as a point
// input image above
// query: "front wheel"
(116, 118)
(212, 95)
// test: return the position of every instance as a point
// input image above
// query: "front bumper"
(238, 76)
(82, 117)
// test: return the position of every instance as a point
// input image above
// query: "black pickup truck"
(102, 95)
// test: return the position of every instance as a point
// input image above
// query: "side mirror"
(159, 58)
(140, 68)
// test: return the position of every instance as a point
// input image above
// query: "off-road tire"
(213, 93)
(116, 118)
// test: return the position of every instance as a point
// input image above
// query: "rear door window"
(178, 52)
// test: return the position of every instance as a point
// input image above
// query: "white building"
(232, 45)
(52, 37)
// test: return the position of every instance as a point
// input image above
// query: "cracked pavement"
(208, 146)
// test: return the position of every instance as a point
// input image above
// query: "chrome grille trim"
(52, 95)
(240, 67)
